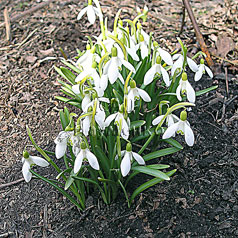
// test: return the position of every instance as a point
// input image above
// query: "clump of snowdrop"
(126, 90)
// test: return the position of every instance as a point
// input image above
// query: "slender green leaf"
(63, 172)
(70, 76)
(124, 190)
(150, 171)
(158, 166)
(74, 68)
(143, 136)
(104, 161)
(201, 92)
(149, 184)
(136, 124)
(160, 153)
(174, 143)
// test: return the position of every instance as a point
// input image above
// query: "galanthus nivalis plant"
(130, 101)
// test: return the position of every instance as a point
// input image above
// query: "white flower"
(156, 68)
(61, 142)
(166, 57)
(86, 123)
(120, 122)
(91, 13)
(144, 50)
(182, 127)
(29, 160)
(85, 154)
(135, 93)
(185, 88)
(101, 85)
(178, 64)
(111, 68)
(128, 156)
(201, 70)
(132, 49)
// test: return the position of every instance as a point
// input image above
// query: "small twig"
(198, 33)
(183, 21)
(11, 183)
(8, 24)
(6, 234)
(227, 86)
(226, 60)
(29, 11)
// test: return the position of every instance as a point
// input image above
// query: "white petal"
(132, 53)
(144, 50)
(178, 91)
(192, 65)
(82, 12)
(126, 164)
(91, 14)
(25, 171)
(100, 118)
(109, 119)
(75, 89)
(130, 101)
(149, 76)
(176, 56)
(177, 65)
(78, 161)
(199, 73)
(121, 78)
(209, 72)
(113, 72)
(92, 159)
(144, 95)
(189, 136)
(103, 99)
(39, 161)
(86, 125)
(165, 76)
(170, 131)
(86, 100)
(125, 130)
(128, 65)
(138, 158)
(81, 76)
(60, 149)
(190, 93)
(157, 120)
(166, 57)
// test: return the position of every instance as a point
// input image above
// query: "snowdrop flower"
(101, 85)
(91, 12)
(132, 48)
(61, 142)
(157, 68)
(128, 156)
(87, 58)
(201, 70)
(86, 121)
(178, 64)
(28, 161)
(185, 88)
(166, 57)
(181, 127)
(85, 154)
(135, 93)
(120, 121)
(111, 68)
(143, 46)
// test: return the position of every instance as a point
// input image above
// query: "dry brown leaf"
(224, 44)
(31, 59)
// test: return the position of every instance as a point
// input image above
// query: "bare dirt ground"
(200, 201)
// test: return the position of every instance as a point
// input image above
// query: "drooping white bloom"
(157, 68)
(101, 85)
(201, 70)
(182, 127)
(87, 58)
(166, 57)
(132, 49)
(91, 13)
(111, 68)
(135, 93)
(178, 64)
(128, 156)
(28, 161)
(143, 46)
(85, 153)
(185, 87)
(121, 122)
(61, 142)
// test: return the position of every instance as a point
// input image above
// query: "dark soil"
(199, 201)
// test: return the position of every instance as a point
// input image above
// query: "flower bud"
(90, 109)
(90, 2)
(88, 47)
(201, 61)
(183, 115)
(128, 147)
(26, 154)
(83, 145)
(184, 76)
(94, 64)
(93, 49)
(114, 51)
(158, 59)
(141, 38)
(133, 83)
(155, 44)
